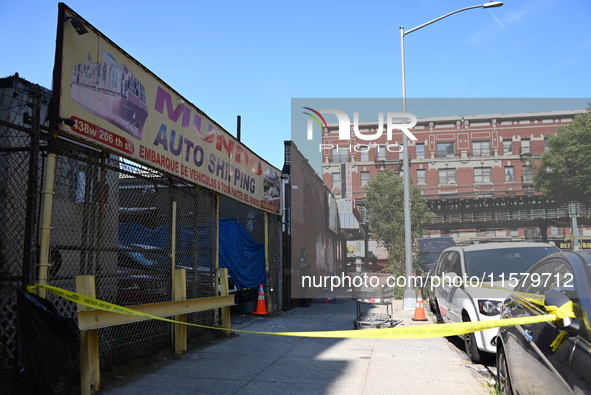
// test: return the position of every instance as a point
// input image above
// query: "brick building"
(476, 173)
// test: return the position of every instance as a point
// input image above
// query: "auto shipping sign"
(108, 99)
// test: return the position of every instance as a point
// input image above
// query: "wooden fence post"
(90, 376)
(180, 293)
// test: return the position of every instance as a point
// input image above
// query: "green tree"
(564, 171)
(385, 203)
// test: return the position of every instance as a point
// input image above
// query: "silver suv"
(467, 285)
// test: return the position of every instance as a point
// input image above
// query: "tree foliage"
(385, 202)
(564, 171)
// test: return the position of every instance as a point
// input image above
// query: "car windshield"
(429, 257)
(143, 260)
(496, 263)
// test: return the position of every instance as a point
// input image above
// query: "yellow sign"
(110, 100)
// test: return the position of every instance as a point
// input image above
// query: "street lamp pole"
(409, 301)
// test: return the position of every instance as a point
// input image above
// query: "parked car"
(207, 279)
(547, 357)
(144, 275)
(136, 287)
(462, 286)
(482, 240)
(430, 250)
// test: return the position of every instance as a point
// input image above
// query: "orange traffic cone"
(420, 310)
(261, 303)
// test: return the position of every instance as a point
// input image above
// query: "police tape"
(401, 332)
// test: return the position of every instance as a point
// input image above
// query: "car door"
(580, 366)
(445, 290)
(546, 353)
(456, 292)
(440, 290)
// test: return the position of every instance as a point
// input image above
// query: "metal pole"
(238, 127)
(269, 285)
(409, 300)
(45, 226)
(173, 240)
(574, 226)
(31, 217)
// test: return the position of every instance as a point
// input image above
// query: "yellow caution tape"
(402, 332)
(558, 341)
(566, 310)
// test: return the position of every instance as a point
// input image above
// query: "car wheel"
(437, 311)
(432, 305)
(470, 345)
(503, 381)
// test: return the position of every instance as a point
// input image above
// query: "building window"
(482, 175)
(508, 147)
(421, 177)
(445, 150)
(528, 174)
(546, 145)
(364, 156)
(340, 154)
(364, 178)
(509, 174)
(481, 148)
(362, 210)
(336, 183)
(381, 152)
(525, 146)
(447, 176)
(420, 151)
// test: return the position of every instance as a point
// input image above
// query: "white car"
(463, 280)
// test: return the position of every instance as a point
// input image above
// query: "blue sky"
(234, 57)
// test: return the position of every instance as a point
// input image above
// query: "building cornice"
(426, 121)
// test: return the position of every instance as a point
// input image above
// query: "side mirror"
(555, 298)
(558, 299)
(448, 278)
(571, 325)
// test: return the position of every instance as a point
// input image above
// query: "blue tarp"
(134, 233)
(239, 253)
(244, 258)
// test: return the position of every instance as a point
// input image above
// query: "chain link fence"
(112, 219)
(23, 108)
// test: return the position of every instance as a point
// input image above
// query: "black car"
(430, 250)
(547, 357)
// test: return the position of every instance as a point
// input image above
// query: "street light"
(409, 301)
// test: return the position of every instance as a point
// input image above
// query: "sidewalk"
(256, 363)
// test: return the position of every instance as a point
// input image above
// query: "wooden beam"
(180, 293)
(226, 323)
(94, 319)
(90, 376)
